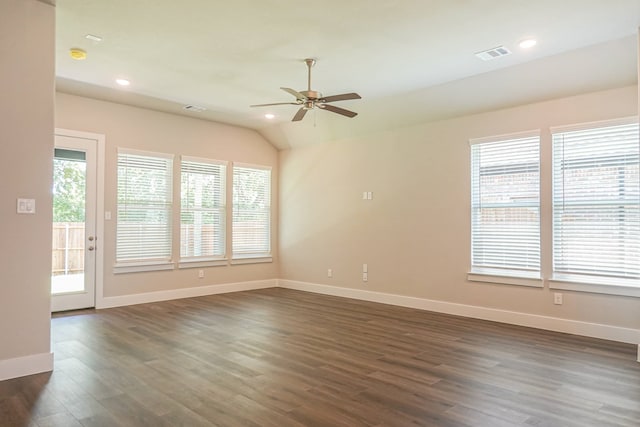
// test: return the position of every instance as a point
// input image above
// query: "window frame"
(256, 256)
(520, 277)
(588, 282)
(130, 265)
(206, 260)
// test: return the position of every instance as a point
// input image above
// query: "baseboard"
(27, 365)
(198, 291)
(595, 330)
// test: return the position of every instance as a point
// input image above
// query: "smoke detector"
(77, 54)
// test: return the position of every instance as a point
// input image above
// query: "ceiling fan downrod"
(310, 95)
(310, 63)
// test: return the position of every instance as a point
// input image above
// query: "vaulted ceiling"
(411, 60)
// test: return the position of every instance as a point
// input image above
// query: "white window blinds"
(505, 207)
(596, 211)
(144, 207)
(202, 215)
(251, 211)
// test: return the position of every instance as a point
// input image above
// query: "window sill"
(138, 267)
(506, 277)
(202, 262)
(251, 260)
(597, 285)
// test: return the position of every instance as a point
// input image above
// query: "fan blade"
(299, 115)
(341, 97)
(295, 93)
(338, 110)
(275, 103)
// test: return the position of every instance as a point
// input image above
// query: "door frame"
(100, 240)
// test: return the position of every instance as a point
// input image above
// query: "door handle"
(91, 238)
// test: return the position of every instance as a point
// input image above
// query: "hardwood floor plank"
(629, 416)
(76, 400)
(13, 412)
(129, 413)
(59, 420)
(284, 358)
(469, 417)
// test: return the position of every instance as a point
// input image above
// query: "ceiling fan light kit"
(310, 99)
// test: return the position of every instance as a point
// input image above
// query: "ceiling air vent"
(496, 52)
(194, 108)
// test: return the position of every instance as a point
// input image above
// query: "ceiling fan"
(310, 99)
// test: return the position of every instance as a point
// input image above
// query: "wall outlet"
(200, 274)
(557, 298)
(329, 273)
(365, 277)
(365, 268)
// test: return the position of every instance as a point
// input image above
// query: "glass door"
(74, 215)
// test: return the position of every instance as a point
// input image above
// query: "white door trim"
(100, 171)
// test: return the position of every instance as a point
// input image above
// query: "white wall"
(26, 138)
(142, 129)
(414, 234)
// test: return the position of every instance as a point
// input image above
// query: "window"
(202, 215)
(144, 208)
(596, 204)
(251, 226)
(505, 209)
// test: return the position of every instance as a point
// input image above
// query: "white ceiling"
(411, 60)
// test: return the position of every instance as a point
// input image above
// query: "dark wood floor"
(281, 358)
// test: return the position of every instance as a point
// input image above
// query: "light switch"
(107, 215)
(26, 206)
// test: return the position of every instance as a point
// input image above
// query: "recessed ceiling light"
(123, 82)
(528, 43)
(270, 116)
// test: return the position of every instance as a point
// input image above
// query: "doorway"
(74, 240)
